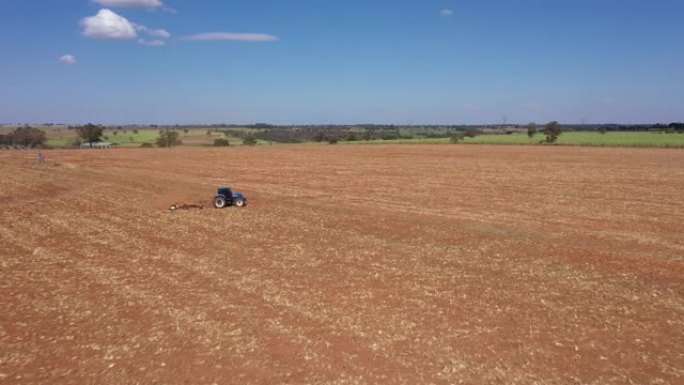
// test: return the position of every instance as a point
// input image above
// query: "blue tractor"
(226, 197)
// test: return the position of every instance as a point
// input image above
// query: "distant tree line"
(418, 129)
(603, 128)
(336, 133)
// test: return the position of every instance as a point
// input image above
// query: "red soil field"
(351, 264)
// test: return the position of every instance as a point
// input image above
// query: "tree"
(319, 136)
(455, 138)
(249, 141)
(471, 132)
(679, 127)
(531, 130)
(168, 138)
(26, 136)
(552, 130)
(185, 131)
(221, 143)
(90, 133)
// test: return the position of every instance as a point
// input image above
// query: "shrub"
(221, 143)
(26, 136)
(332, 141)
(146, 145)
(455, 138)
(471, 133)
(249, 141)
(319, 137)
(168, 139)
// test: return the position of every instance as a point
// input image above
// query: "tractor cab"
(226, 197)
(225, 191)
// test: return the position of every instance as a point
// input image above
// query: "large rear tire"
(239, 202)
(219, 202)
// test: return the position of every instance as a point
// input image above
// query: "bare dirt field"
(397, 264)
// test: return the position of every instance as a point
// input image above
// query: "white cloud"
(446, 12)
(152, 43)
(162, 33)
(108, 25)
(130, 3)
(68, 59)
(231, 36)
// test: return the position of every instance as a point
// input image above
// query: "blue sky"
(354, 61)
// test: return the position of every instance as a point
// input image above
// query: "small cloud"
(130, 3)
(446, 12)
(162, 33)
(231, 36)
(108, 25)
(152, 43)
(68, 59)
(531, 105)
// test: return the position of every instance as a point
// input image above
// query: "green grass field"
(194, 137)
(62, 137)
(617, 139)
(626, 139)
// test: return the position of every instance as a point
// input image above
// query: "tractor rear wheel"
(239, 202)
(219, 202)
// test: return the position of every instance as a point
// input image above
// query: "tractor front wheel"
(219, 202)
(239, 202)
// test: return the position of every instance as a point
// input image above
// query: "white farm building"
(96, 145)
